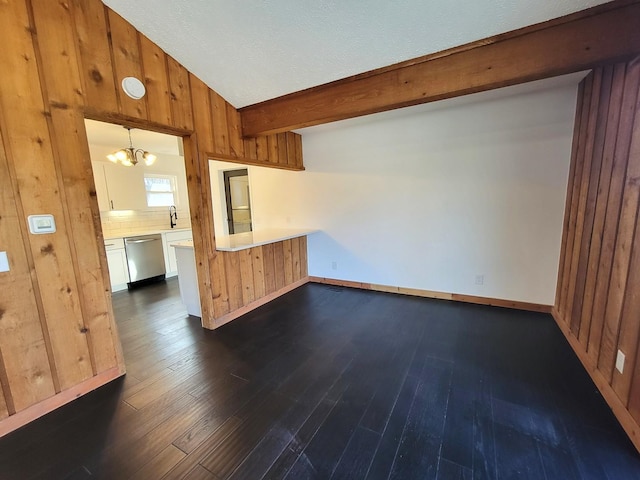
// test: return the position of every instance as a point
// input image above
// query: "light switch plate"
(39, 224)
(4, 262)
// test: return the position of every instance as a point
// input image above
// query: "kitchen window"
(161, 190)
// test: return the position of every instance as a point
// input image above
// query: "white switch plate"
(4, 262)
(620, 361)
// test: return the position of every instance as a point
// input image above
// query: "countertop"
(188, 244)
(242, 241)
(146, 232)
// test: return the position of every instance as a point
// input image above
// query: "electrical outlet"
(620, 361)
(334, 265)
(479, 279)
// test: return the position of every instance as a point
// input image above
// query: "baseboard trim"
(218, 322)
(456, 297)
(21, 418)
(628, 423)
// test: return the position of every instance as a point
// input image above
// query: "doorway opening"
(238, 200)
(144, 206)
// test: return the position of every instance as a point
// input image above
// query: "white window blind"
(161, 190)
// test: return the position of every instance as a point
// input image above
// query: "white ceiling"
(254, 50)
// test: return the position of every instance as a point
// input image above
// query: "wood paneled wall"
(62, 61)
(598, 295)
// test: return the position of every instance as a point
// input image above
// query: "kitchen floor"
(330, 382)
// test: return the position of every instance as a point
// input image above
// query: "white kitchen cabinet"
(125, 187)
(117, 263)
(119, 187)
(101, 186)
(169, 252)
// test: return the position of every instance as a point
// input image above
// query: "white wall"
(429, 197)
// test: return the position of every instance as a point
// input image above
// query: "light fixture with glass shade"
(130, 156)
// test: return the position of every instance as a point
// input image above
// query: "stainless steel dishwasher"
(145, 258)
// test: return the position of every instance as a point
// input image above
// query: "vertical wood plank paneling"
(246, 275)
(634, 394)
(180, 95)
(630, 318)
(304, 271)
(4, 411)
(95, 52)
(154, 64)
(273, 148)
(589, 134)
(202, 120)
(234, 279)
(201, 239)
(221, 300)
(62, 78)
(269, 268)
(593, 155)
(251, 149)
(27, 135)
(612, 216)
(282, 149)
(278, 259)
(295, 256)
(562, 278)
(220, 129)
(621, 259)
(298, 150)
(291, 149)
(609, 255)
(258, 272)
(26, 374)
(578, 156)
(126, 63)
(288, 261)
(236, 143)
(199, 197)
(262, 149)
(611, 132)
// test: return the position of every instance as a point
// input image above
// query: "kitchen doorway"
(141, 187)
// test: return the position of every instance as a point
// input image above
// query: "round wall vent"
(133, 87)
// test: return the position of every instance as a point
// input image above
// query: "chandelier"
(130, 156)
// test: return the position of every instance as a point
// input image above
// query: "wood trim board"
(33, 412)
(259, 302)
(456, 297)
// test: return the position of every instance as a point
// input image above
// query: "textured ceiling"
(254, 50)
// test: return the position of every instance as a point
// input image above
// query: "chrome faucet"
(173, 216)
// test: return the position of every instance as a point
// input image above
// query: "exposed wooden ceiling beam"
(603, 34)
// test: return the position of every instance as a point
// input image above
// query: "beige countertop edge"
(146, 232)
(243, 241)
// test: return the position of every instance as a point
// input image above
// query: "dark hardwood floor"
(330, 382)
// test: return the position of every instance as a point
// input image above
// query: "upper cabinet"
(118, 187)
(124, 188)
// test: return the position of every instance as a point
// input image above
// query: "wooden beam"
(605, 34)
